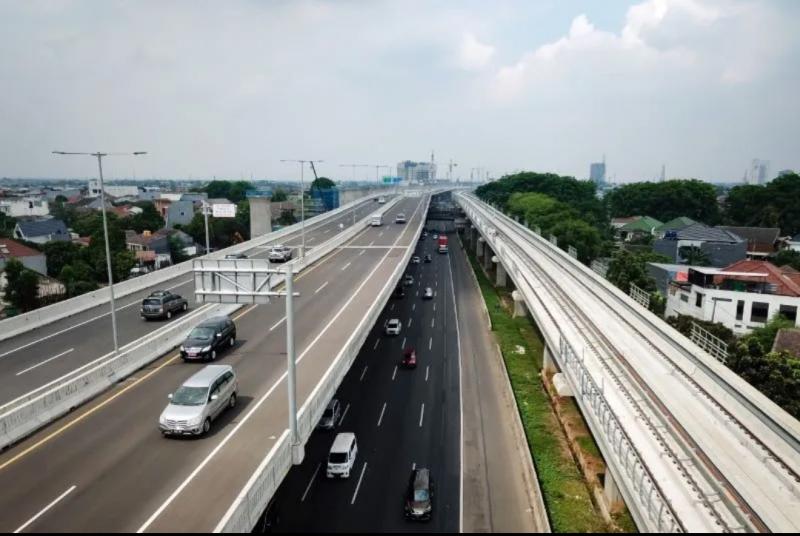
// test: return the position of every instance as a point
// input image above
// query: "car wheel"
(213, 355)
(232, 401)
(169, 315)
(233, 341)
(185, 307)
(206, 426)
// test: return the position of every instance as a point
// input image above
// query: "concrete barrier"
(36, 409)
(243, 514)
(11, 327)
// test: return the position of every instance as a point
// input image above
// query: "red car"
(409, 358)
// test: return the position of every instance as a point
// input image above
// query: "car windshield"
(190, 396)
(152, 301)
(420, 495)
(338, 457)
(202, 333)
(328, 414)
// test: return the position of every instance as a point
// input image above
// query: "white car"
(200, 400)
(415, 260)
(393, 326)
(400, 218)
(280, 253)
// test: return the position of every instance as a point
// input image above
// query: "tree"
(234, 191)
(787, 257)
(59, 254)
(771, 205)
(694, 256)
(580, 235)
(627, 267)
(7, 224)
(279, 196)
(22, 286)
(666, 200)
(322, 183)
(149, 220)
(176, 250)
(78, 278)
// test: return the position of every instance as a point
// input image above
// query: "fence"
(709, 342)
(640, 296)
(600, 268)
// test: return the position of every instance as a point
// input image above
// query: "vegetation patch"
(565, 492)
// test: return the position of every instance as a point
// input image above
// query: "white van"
(382, 200)
(376, 221)
(342, 456)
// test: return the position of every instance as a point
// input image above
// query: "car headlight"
(195, 421)
(182, 348)
(207, 349)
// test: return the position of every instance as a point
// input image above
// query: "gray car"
(201, 399)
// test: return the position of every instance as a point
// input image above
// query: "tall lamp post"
(302, 201)
(99, 157)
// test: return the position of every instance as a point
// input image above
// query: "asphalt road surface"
(402, 419)
(105, 467)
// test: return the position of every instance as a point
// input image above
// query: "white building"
(743, 296)
(20, 207)
(115, 191)
(416, 172)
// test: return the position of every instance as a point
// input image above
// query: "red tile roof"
(13, 249)
(787, 282)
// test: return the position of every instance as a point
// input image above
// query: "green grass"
(566, 496)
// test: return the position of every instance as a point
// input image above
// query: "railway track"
(717, 495)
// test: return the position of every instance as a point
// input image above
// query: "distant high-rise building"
(421, 172)
(759, 171)
(785, 172)
(597, 172)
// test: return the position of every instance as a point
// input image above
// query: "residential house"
(664, 274)
(41, 231)
(675, 224)
(24, 207)
(152, 248)
(29, 257)
(720, 247)
(742, 296)
(111, 189)
(618, 223)
(794, 243)
(761, 241)
(639, 228)
(180, 213)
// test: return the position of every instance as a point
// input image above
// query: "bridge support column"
(473, 236)
(611, 493)
(548, 363)
(479, 247)
(502, 278)
(520, 309)
(487, 258)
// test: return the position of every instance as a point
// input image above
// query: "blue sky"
(229, 89)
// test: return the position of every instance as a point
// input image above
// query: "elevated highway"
(689, 445)
(106, 466)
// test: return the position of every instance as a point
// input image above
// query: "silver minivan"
(201, 399)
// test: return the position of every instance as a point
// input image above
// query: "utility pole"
(109, 269)
(354, 166)
(302, 201)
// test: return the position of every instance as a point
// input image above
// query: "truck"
(376, 220)
(442, 248)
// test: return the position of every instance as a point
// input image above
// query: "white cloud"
(473, 54)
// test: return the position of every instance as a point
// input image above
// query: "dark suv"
(419, 495)
(208, 339)
(163, 304)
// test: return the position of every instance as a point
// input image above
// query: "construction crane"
(313, 169)
(450, 170)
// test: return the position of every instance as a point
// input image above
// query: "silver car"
(201, 399)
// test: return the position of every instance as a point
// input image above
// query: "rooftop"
(12, 249)
(676, 224)
(780, 281)
(704, 233)
(787, 340)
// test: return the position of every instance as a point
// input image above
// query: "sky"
(229, 89)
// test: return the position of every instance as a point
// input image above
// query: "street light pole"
(99, 157)
(205, 215)
(303, 202)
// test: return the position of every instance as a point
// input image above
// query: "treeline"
(775, 204)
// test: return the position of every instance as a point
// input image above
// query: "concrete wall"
(179, 212)
(720, 254)
(37, 263)
(260, 216)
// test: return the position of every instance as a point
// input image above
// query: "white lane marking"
(261, 401)
(414, 307)
(460, 402)
(20, 373)
(414, 466)
(364, 468)
(377, 342)
(427, 372)
(346, 266)
(433, 322)
(391, 308)
(394, 374)
(434, 307)
(346, 409)
(380, 234)
(363, 373)
(313, 478)
(404, 343)
(278, 323)
(362, 252)
(44, 510)
(417, 293)
(409, 322)
(380, 419)
(430, 343)
(421, 414)
(327, 231)
(57, 333)
(325, 284)
(372, 243)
